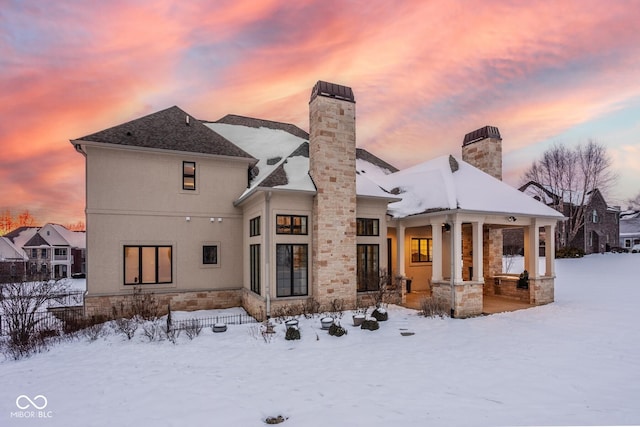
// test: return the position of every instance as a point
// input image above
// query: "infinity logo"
(22, 398)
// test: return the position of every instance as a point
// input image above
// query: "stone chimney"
(482, 148)
(332, 166)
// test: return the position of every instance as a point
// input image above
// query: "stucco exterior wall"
(136, 198)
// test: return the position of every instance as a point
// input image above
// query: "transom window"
(291, 270)
(254, 226)
(368, 227)
(147, 265)
(188, 175)
(291, 224)
(210, 254)
(368, 268)
(421, 250)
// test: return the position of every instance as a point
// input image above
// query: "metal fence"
(208, 322)
(60, 320)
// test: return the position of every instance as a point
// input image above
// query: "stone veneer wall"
(332, 156)
(183, 300)
(468, 297)
(542, 290)
(486, 155)
(506, 286)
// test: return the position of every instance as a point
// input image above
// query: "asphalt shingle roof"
(170, 129)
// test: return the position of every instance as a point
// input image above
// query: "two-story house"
(262, 214)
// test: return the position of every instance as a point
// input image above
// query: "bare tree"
(569, 176)
(634, 203)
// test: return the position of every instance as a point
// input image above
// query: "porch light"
(511, 219)
(446, 227)
(188, 219)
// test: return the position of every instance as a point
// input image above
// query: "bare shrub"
(144, 304)
(93, 332)
(310, 308)
(192, 328)
(433, 307)
(126, 327)
(23, 306)
(153, 330)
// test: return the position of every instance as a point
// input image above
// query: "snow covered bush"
(380, 314)
(370, 324)
(293, 333)
(336, 330)
(192, 328)
(126, 327)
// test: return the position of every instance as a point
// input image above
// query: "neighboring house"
(261, 214)
(13, 262)
(629, 229)
(599, 232)
(53, 251)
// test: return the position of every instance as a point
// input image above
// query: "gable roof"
(21, 235)
(9, 252)
(169, 129)
(455, 184)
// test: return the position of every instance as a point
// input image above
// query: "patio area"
(491, 304)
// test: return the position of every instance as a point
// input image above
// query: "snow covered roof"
(283, 156)
(629, 227)
(20, 236)
(447, 183)
(9, 251)
(48, 235)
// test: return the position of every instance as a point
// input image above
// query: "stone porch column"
(478, 273)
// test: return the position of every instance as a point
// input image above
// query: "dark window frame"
(367, 226)
(254, 227)
(428, 242)
(140, 264)
(299, 230)
(368, 274)
(281, 275)
(216, 257)
(254, 267)
(188, 176)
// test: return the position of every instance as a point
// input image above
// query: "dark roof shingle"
(170, 129)
(232, 119)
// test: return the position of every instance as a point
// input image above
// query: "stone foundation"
(542, 290)
(183, 301)
(468, 297)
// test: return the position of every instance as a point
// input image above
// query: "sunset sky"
(424, 73)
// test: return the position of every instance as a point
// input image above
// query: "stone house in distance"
(261, 214)
(599, 232)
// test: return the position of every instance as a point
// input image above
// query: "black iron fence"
(208, 322)
(54, 320)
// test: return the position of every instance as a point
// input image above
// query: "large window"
(210, 254)
(188, 175)
(368, 267)
(291, 224)
(291, 270)
(368, 227)
(254, 267)
(254, 226)
(421, 250)
(147, 265)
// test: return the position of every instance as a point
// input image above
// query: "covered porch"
(455, 256)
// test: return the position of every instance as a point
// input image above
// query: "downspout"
(79, 149)
(453, 268)
(267, 252)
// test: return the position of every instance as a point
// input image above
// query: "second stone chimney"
(482, 148)
(332, 166)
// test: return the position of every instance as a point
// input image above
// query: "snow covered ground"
(573, 362)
